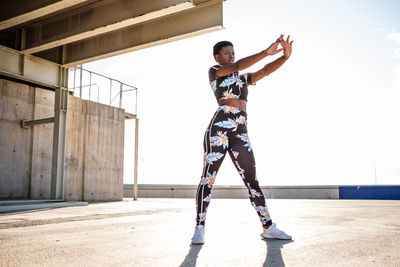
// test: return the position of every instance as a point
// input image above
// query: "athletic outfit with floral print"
(227, 132)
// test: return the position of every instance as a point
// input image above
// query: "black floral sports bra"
(231, 86)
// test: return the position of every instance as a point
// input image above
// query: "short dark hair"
(218, 46)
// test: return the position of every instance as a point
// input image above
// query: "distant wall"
(386, 192)
(94, 146)
(391, 192)
(234, 191)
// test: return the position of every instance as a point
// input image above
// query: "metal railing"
(96, 87)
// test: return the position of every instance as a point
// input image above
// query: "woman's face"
(226, 55)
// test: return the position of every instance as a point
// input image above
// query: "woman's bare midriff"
(237, 103)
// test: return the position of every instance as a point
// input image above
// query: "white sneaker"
(274, 232)
(198, 237)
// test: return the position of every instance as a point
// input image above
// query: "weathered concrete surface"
(25, 154)
(157, 232)
(42, 144)
(104, 158)
(15, 142)
(94, 146)
(75, 150)
(94, 152)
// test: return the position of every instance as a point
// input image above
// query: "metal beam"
(29, 68)
(24, 11)
(58, 155)
(28, 123)
(95, 19)
(201, 19)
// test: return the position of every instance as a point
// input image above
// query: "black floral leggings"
(228, 132)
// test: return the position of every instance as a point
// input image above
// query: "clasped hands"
(286, 46)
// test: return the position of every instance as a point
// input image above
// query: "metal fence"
(96, 87)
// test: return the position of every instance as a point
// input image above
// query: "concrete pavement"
(157, 232)
(22, 205)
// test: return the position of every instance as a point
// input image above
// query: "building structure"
(70, 148)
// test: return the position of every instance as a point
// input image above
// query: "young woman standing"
(227, 131)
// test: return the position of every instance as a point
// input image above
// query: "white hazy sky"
(329, 116)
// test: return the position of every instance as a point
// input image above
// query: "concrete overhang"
(72, 32)
(17, 12)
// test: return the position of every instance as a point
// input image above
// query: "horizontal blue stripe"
(391, 192)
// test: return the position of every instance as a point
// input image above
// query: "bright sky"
(329, 116)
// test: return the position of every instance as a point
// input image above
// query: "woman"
(227, 131)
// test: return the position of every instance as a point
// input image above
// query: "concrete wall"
(25, 154)
(94, 153)
(391, 192)
(94, 146)
(15, 143)
(189, 191)
(387, 192)
(42, 137)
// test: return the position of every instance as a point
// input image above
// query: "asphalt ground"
(157, 232)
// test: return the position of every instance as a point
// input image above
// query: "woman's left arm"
(274, 65)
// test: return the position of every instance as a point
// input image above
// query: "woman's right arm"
(247, 62)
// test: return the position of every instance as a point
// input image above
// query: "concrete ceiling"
(71, 32)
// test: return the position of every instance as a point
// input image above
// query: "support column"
(136, 158)
(60, 118)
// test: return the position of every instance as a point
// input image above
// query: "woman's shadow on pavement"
(273, 258)
(274, 253)
(191, 257)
